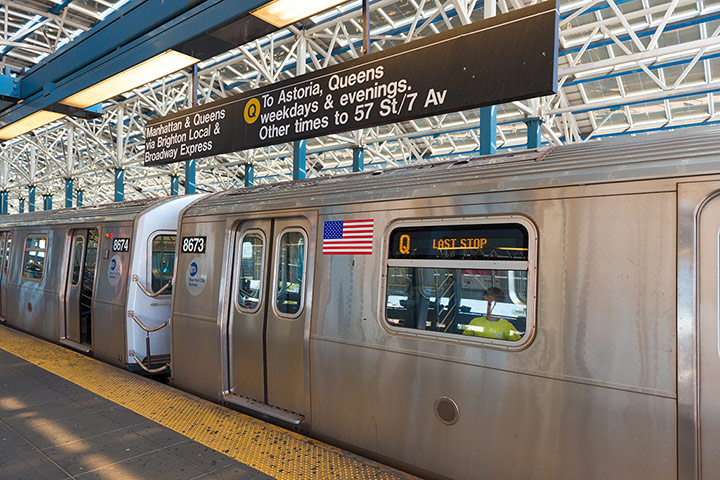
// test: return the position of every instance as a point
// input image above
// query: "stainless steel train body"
(607, 258)
(87, 278)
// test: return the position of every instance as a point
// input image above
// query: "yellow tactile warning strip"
(272, 450)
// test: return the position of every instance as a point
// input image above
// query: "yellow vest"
(501, 329)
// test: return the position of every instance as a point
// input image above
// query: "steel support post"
(358, 159)
(119, 185)
(31, 198)
(47, 202)
(68, 192)
(189, 176)
(534, 138)
(3, 203)
(174, 185)
(79, 200)
(190, 164)
(21, 207)
(249, 174)
(299, 159)
(488, 130)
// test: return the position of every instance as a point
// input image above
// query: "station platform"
(64, 415)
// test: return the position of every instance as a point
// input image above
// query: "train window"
(77, 253)
(162, 264)
(290, 273)
(466, 281)
(8, 247)
(34, 258)
(250, 278)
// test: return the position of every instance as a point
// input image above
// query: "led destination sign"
(502, 59)
(460, 242)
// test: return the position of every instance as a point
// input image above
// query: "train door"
(5, 243)
(266, 331)
(708, 338)
(80, 287)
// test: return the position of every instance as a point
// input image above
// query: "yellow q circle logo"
(252, 110)
(405, 244)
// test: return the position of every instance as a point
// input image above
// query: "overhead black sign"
(498, 60)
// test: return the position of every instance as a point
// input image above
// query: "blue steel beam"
(358, 159)
(174, 185)
(135, 33)
(249, 174)
(31, 198)
(21, 207)
(47, 202)
(488, 130)
(79, 200)
(299, 159)
(119, 185)
(68, 192)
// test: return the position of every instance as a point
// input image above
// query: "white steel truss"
(625, 66)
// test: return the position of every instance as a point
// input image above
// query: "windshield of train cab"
(467, 281)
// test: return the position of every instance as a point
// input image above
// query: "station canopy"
(624, 67)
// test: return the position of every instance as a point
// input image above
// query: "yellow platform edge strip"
(272, 450)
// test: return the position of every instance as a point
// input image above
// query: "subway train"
(546, 314)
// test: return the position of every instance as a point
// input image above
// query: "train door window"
(467, 281)
(34, 258)
(290, 273)
(78, 247)
(162, 261)
(8, 247)
(252, 259)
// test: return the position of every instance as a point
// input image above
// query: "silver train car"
(547, 314)
(96, 279)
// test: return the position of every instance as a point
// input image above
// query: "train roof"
(123, 211)
(685, 152)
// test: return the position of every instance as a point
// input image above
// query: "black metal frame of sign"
(506, 58)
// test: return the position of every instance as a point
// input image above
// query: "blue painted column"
(534, 137)
(299, 159)
(249, 174)
(358, 159)
(47, 202)
(190, 166)
(488, 130)
(68, 192)
(3, 203)
(174, 185)
(21, 208)
(189, 176)
(31, 198)
(119, 185)
(79, 198)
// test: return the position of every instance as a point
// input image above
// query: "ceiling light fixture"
(31, 122)
(284, 12)
(157, 67)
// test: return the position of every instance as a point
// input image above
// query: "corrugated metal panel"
(82, 215)
(658, 155)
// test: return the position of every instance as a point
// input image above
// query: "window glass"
(163, 262)
(459, 280)
(78, 246)
(34, 258)
(8, 247)
(252, 250)
(291, 265)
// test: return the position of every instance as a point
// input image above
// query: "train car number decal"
(121, 245)
(193, 244)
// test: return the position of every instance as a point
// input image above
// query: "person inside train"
(489, 325)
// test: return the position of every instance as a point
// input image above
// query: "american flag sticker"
(348, 237)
